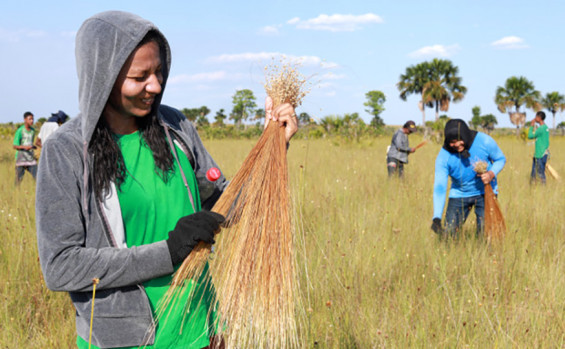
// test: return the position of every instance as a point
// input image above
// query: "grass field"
(372, 272)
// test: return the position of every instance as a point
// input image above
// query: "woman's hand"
(284, 114)
(487, 177)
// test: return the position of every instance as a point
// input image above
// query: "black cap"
(410, 126)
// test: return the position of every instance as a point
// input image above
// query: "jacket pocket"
(121, 302)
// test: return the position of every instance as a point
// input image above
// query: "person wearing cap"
(397, 154)
(50, 126)
(462, 148)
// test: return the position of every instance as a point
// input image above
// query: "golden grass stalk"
(253, 271)
(553, 173)
(495, 226)
(421, 144)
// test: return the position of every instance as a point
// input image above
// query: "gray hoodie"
(81, 238)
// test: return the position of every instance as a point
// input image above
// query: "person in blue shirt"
(462, 148)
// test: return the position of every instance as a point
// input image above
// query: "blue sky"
(347, 48)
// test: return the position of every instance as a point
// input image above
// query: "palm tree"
(517, 91)
(412, 82)
(443, 86)
(553, 102)
(436, 81)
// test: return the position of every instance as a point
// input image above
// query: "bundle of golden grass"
(495, 226)
(421, 144)
(253, 269)
(553, 173)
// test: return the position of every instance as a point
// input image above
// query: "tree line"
(438, 84)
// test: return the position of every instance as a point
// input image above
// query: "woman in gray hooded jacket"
(122, 194)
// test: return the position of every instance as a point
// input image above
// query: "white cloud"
(243, 57)
(17, 35)
(269, 30)
(35, 34)
(8, 36)
(336, 22)
(325, 85)
(332, 76)
(68, 34)
(510, 43)
(294, 20)
(435, 51)
(266, 56)
(203, 77)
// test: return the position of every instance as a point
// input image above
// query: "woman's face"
(457, 145)
(137, 84)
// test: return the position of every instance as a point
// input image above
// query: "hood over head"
(103, 44)
(457, 129)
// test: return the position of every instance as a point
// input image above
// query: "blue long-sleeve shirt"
(464, 180)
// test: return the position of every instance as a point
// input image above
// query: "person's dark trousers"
(394, 167)
(20, 170)
(458, 210)
(538, 169)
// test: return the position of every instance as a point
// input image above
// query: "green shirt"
(24, 137)
(151, 208)
(542, 139)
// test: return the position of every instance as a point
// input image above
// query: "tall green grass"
(372, 273)
(31, 316)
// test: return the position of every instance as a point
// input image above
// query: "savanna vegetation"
(372, 273)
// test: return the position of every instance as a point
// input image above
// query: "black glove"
(436, 226)
(190, 230)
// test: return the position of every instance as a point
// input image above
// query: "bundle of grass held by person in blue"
(495, 226)
(253, 269)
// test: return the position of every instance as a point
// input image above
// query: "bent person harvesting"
(462, 148)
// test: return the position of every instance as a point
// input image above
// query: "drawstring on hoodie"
(95, 282)
(174, 150)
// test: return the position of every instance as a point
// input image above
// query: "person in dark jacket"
(122, 194)
(397, 154)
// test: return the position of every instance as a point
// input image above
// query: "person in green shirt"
(23, 143)
(541, 153)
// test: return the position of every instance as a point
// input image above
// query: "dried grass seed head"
(284, 83)
(480, 166)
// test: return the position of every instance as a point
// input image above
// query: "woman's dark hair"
(109, 163)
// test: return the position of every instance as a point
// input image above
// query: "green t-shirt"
(542, 139)
(24, 137)
(151, 208)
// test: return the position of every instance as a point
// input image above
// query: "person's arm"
(496, 156)
(400, 141)
(38, 142)
(531, 133)
(17, 144)
(22, 147)
(66, 261)
(440, 183)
